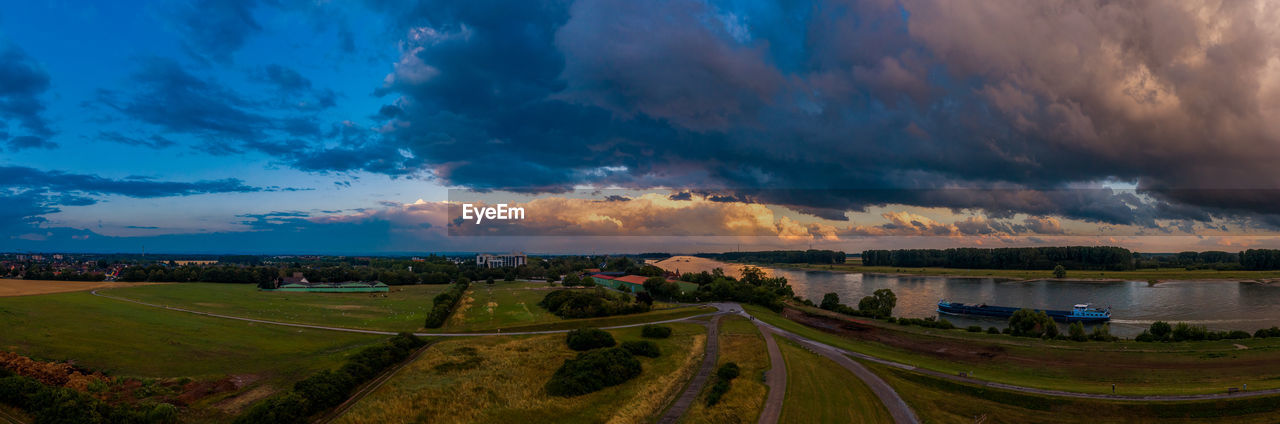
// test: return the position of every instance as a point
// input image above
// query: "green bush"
(1076, 332)
(993, 330)
(592, 371)
(655, 331)
(724, 375)
(642, 348)
(1267, 332)
(287, 408)
(589, 338)
(974, 329)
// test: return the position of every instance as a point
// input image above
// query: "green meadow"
(820, 391)
(513, 306)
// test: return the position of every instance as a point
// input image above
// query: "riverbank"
(1155, 275)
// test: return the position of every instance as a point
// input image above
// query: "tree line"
(1070, 257)
(781, 256)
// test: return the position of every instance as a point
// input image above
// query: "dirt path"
(699, 381)
(775, 378)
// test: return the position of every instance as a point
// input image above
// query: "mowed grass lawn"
(742, 344)
(404, 308)
(127, 339)
(1090, 367)
(821, 391)
(501, 379)
(513, 306)
(940, 401)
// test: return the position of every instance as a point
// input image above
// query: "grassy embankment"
(740, 343)
(500, 379)
(936, 400)
(512, 307)
(129, 340)
(820, 391)
(505, 305)
(1159, 274)
(1090, 367)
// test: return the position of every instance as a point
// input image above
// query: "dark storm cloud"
(912, 97)
(214, 29)
(22, 81)
(153, 141)
(24, 142)
(57, 181)
(171, 98)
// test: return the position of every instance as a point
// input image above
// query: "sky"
(358, 127)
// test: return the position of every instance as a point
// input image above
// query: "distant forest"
(781, 256)
(1071, 257)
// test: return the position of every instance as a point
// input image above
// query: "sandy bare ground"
(12, 287)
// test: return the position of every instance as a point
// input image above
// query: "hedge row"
(445, 302)
(328, 389)
(50, 404)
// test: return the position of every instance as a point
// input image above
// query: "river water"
(1218, 305)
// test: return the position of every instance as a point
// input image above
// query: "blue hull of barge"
(1005, 312)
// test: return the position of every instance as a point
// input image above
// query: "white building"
(485, 260)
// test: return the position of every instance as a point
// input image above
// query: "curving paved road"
(897, 407)
(775, 378)
(699, 380)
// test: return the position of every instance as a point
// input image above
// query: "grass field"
(1159, 274)
(500, 380)
(403, 309)
(940, 401)
(1136, 368)
(507, 306)
(13, 287)
(820, 391)
(740, 343)
(133, 340)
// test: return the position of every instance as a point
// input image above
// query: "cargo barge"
(1083, 313)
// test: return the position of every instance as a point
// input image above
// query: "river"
(1218, 305)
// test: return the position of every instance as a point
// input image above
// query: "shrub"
(589, 338)
(1160, 330)
(1075, 332)
(927, 322)
(1102, 333)
(728, 371)
(324, 389)
(655, 331)
(724, 375)
(1029, 323)
(993, 330)
(1267, 332)
(642, 348)
(592, 371)
(286, 408)
(1187, 332)
(974, 329)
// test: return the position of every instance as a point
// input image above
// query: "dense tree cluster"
(1071, 257)
(1161, 331)
(328, 389)
(1260, 259)
(592, 371)
(1029, 323)
(879, 304)
(50, 404)
(207, 273)
(444, 303)
(590, 303)
(754, 287)
(781, 256)
(589, 338)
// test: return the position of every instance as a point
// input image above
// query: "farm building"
(298, 283)
(633, 283)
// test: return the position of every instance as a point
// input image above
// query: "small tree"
(1160, 330)
(1076, 332)
(830, 301)
(1059, 271)
(879, 304)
